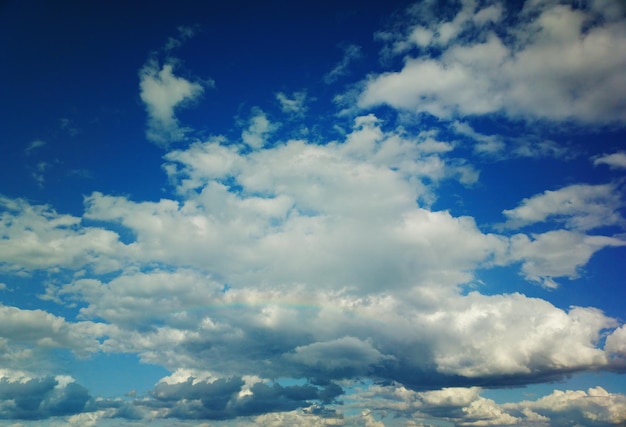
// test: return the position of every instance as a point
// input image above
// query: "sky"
(242, 213)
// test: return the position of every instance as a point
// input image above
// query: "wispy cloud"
(614, 161)
(33, 146)
(351, 53)
(294, 105)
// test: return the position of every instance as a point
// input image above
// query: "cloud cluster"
(466, 407)
(37, 237)
(314, 262)
(546, 61)
(38, 398)
(281, 279)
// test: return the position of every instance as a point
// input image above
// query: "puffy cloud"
(163, 92)
(335, 215)
(466, 407)
(294, 105)
(36, 237)
(39, 328)
(476, 343)
(616, 347)
(39, 398)
(259, 128)
(326, 336)
(595, 407)
(142, 301)
(281, 276)
(580, 207)
(221, 398)
(557, 253)
(551, 61)
(614, 161)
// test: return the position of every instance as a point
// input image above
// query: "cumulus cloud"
(40, 398)
(36, 237)
(580, 207)
(258, 129)
(595, 406)
(466, 407)
(549, 61)
(558, 253)
(268, 263)
(162, 93)
(280, 279)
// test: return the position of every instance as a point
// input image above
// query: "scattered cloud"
(614, 161)
(258, 129)
(558, 253)
(162, 93)
(185, 32)
(550, 61)
(351, 53)
(34, 145)
(36, 237)
(312, 281)
(38, 173)
(466, 407)
(68, 126)
(499, 147)
(294, 105)
(580, 207)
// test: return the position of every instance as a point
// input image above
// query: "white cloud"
(294, 105)
(480, 336)
(36, 237)
(304, 211)
(616, 345)
(558, 253)
(466, 407)
(304, 235)
(163, 92)
(39, 331)
(579, 207)
(576, 407)
(258, 130)
(614, 161)
(555, 63)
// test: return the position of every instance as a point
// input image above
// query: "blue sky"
(238, 213)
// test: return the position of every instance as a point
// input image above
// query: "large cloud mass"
(280, 280)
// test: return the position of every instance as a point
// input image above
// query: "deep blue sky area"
(238, 213)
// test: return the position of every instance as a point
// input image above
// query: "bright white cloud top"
(408, 234)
